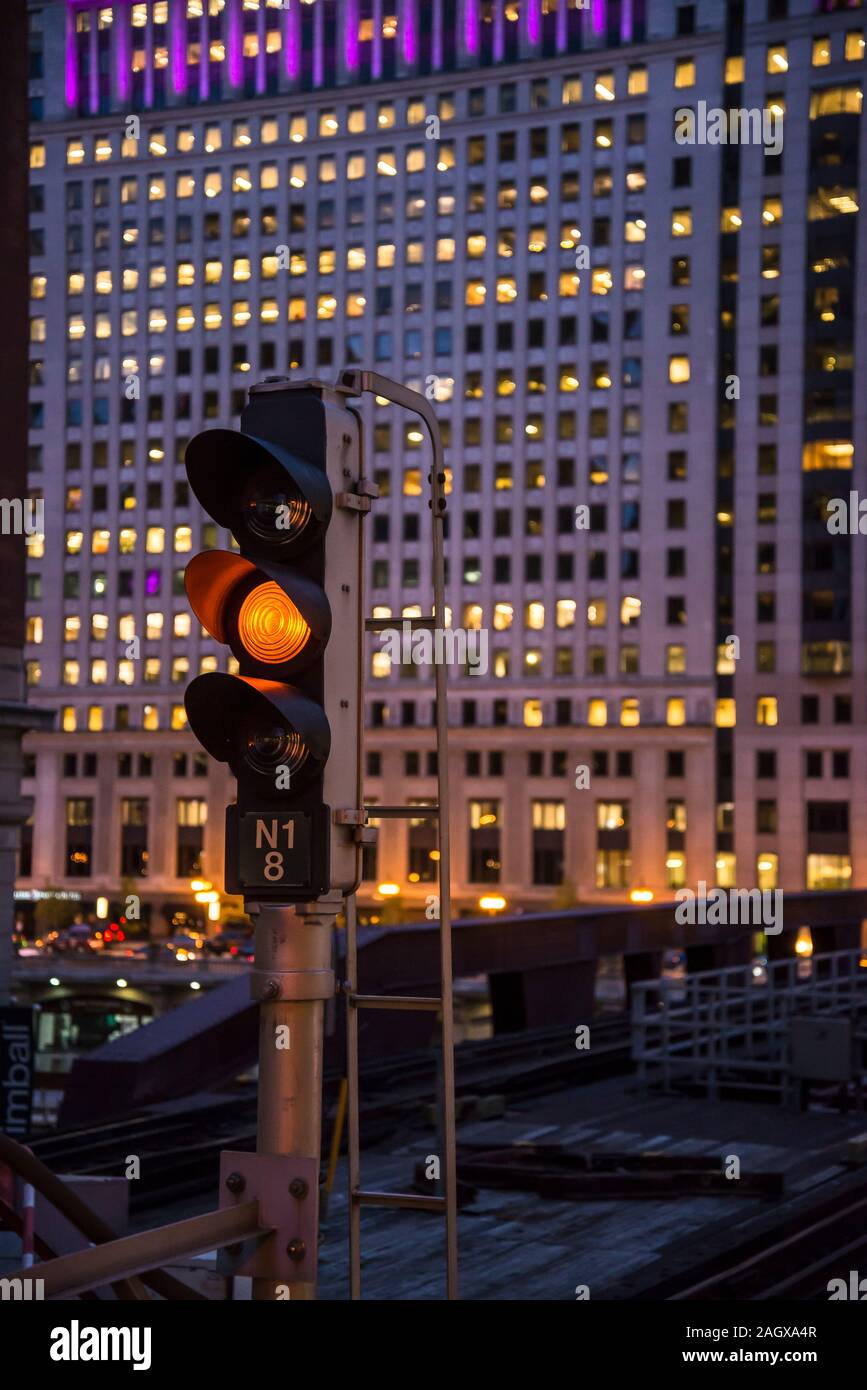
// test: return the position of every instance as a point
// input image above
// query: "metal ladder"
(359, 1197)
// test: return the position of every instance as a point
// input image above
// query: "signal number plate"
(275, 850)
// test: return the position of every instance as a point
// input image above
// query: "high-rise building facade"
(644, 343)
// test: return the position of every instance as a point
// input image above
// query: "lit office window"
(566, 611)
(604, 89)
(678, 370)
(630, 714)
(829, 871)
(571, 91)
(675, 712)
(681, 222)
(821, 51)
(597, 714)
(637, 83)
(767, 870)
(734, 70)
(533, 714)
(766, 710)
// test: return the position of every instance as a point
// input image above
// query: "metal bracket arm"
(362, 833)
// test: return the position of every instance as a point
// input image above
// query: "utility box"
(822, 1049)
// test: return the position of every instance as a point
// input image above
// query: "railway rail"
(179, 1148)
(791, 1254)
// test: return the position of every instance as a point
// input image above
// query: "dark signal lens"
(275, 510)
(267, 747)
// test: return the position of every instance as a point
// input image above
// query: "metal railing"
(733, 1026)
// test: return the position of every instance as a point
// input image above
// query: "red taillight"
(233, 950)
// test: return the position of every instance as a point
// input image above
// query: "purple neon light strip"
(409, 33)
(149, 66)
(319, 45)
(376, 56)
(436, 56)
(260, 56)
(293, 40)
(71, 61)
(122, 60)
(179, 49)
(626, 21)
(534, 21)
(351, 48)
(499, 31)
(235, 46)
(472, 26)
(94, 72)
(562, 28)
(598, 13)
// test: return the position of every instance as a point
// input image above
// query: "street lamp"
(641, 895)
(492, 903)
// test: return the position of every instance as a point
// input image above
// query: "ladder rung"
(399, 1199)
(429, 811)
(393, 1001)
(385, 624)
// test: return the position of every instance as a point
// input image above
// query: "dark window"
(840, 763)
(766, 817)
(674, 763)
(624, 764)
(766, 764)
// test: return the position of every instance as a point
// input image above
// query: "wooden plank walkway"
(515, 1245)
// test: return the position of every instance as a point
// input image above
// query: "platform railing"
(733, 1026)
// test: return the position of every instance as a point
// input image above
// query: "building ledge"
(15, 714)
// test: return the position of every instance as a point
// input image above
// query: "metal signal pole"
(292, 980)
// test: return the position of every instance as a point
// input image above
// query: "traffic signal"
(287, 604)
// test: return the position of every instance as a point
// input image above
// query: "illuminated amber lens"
(270, 626)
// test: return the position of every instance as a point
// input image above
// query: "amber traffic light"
(271, 718)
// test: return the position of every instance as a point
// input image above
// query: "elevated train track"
(179, 1146)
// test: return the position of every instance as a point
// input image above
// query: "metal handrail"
(26, 1165)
